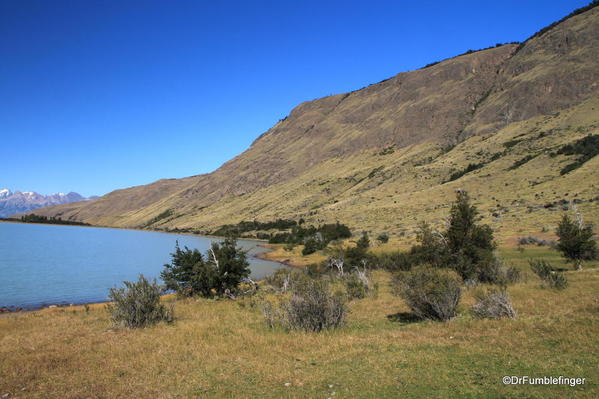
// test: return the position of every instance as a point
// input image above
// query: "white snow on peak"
(5, 192)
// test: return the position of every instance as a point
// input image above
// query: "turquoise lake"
(51, 264)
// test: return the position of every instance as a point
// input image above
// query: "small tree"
(471, 245)
(576, 241)
(364, 242)
(138, 304)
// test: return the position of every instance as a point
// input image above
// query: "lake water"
(52, 264)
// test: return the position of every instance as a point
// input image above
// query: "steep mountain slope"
(19, 202)
(378, 158)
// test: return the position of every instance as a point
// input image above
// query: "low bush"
(359, 284)
(495, 304)
(312, 308)
(548, 275)
(532, 240)
(383, 238)
(392, 261)
(138, 304)
(285, 279)
(430, 293)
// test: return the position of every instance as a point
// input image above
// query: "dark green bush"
(576, 242)
(312, 245)
(138, 304)
(392, 261)
(586, 149)
(218, 272)
(430, 293)
(383, 238)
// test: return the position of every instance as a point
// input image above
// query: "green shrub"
(430, 293)
(359, 284)
(547, 274)
(494, 304)
(138, 304)
(392, 261)
(383, 238)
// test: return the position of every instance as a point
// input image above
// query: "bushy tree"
(576, 241)
(431, 248)
(222, 268)
(470, 245)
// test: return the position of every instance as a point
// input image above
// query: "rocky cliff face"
(320, 159)
(12, 203)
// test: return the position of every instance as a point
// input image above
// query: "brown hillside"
(327, 159)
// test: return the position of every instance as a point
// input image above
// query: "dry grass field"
(222, 349)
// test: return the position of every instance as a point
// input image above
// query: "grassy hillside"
(379, 158)
(223, 349)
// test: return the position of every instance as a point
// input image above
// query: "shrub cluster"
(547, 274)
(138, 304)
(312, 308)
(532, 240)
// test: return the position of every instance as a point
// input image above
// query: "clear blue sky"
(99, 95)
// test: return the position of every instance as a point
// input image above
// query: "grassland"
(221, 348)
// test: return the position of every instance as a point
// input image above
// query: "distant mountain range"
(12, 203)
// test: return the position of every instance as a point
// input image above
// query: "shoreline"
(130, 228)
(13, 309)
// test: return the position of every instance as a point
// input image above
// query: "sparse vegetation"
(586, 148)
(159, 217)
(548, 275)
(494, 304)
(33, 218)
(311, 308)
(522, 161)
(138, 304)
(471, 167)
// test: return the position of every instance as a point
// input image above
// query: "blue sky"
(100, 95)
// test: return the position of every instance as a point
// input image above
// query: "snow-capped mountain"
(12, 203)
